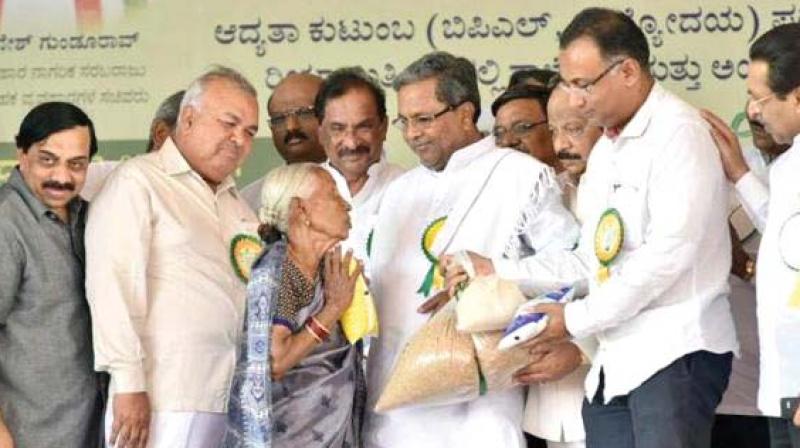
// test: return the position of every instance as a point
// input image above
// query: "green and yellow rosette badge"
(244, 251)
(433, 279)
(608, 241)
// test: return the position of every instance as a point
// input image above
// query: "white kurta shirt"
(778, 323)
(167, 307)
(667, 293)
(741, 396)
(365, 203)
(399, 266)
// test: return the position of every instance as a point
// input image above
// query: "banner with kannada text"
(118, 59)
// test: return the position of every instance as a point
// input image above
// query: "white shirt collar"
(464, 156)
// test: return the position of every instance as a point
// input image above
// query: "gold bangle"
(749, 269)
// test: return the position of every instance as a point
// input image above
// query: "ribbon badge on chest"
(789, 248)
(244, 251)
(608, 238)
(433, 278)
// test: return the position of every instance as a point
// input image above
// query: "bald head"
(292, 120)
(573, 136)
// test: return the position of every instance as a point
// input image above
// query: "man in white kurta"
(351, 107)
(166, 266)
(490, 197)
(773, 102)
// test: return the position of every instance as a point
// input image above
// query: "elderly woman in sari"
(298, 383)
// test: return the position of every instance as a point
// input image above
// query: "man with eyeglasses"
(294, 126)
(521, 123)
(467, 194)
(654, 248)
(351, 109)
(773, 87)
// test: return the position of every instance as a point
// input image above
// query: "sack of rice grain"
(497, 366)
(438, 366)
(487, 303)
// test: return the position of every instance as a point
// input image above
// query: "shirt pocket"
(629, 197)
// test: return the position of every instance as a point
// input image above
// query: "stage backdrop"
(118, 59)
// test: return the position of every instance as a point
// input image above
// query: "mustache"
(296, 133)
(55, 185)
(358, 150)
(756, 124)
(565, 155)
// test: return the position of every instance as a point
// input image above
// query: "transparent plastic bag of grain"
(497, 366)
(438, 366)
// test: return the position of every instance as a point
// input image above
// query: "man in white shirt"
(739, 423)
(654, 248)
(166, 272)
(520, 122)
(351, 109)
(466, 194)
(294, 126)
(773, 86)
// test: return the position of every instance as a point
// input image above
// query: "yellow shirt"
(167, 306)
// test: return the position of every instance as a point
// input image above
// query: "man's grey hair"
(194, 93)
(457, 80)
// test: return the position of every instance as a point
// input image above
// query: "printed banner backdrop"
(118, 59)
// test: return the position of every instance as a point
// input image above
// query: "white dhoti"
(171, 429)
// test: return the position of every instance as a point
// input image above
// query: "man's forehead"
(578, 58)
(558, 107)
(72, 142)
(355, 104)
(521, 106)
(295, 91)
(757, 77)
(419, 97)
(230, 100)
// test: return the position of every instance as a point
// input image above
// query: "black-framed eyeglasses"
(301, 113)
(584, 89)
(518, 129)
(423, 121)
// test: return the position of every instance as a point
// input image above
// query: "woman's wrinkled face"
(327, 211)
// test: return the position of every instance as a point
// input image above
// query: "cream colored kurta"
(520, 186)
(365, 203)
(166, 304)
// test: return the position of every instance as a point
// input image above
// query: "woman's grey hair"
(281, 185)
(194, 93)
(457, 80)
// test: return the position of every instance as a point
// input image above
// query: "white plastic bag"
(487, 303)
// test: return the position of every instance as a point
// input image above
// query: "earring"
(308, 223)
